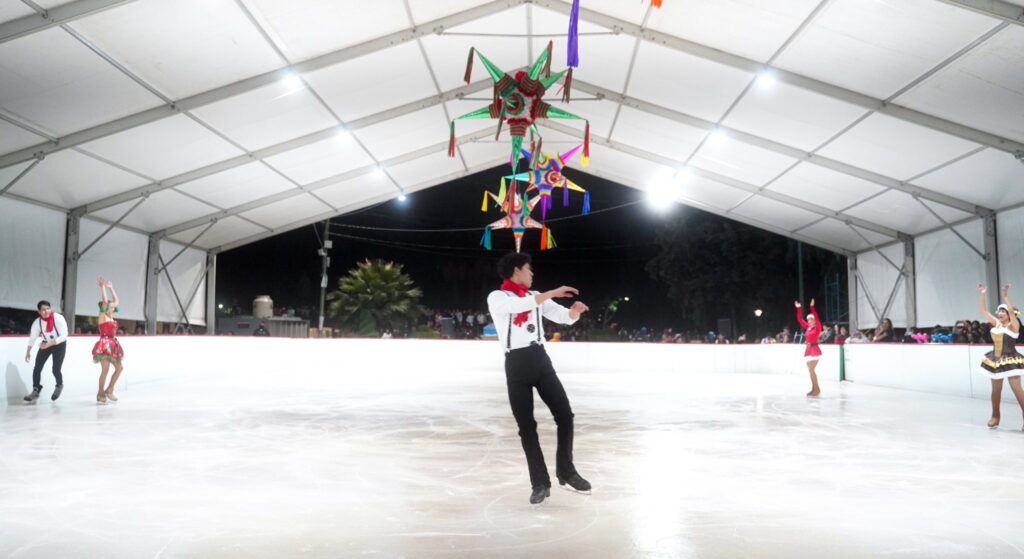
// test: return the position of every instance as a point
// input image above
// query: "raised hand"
(797, 304)
(812, 302)
(110, 284)
(564, 291)
(1006, 290)
(101, 282)
(981, 289)
(579, 308)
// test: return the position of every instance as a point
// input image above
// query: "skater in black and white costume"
(52, 330)
(517, 313)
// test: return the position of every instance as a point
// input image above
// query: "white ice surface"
(427, 463)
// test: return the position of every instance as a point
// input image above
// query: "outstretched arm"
(103, 291)
(115, 302)
(817, 319)
(981, 306)
(799, 316)
(1014, 323)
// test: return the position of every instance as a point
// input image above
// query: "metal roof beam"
(65, 13)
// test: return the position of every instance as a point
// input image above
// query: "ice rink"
(425, 462)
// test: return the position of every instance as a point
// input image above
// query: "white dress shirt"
(59, 334)
(505, 305)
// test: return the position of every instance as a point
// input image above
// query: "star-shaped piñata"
(517, 218)
(518, 101)
(547, 176)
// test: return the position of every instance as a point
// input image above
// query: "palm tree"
(374, 296)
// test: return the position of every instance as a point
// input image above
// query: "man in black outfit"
(52, 330)
(517, 313)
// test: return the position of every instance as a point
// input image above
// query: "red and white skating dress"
(812, 334)
(108, 348)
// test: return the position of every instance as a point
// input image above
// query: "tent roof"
(842, 123)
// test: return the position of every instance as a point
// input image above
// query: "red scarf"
(49, 322)
(520, 290)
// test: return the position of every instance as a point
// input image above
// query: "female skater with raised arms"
(813, 353)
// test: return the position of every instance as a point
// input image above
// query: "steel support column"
(991, 257)
(152, 284)
(211, 293)
(71, 238)
(910, 283)
(851, 291)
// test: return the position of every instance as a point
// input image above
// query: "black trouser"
(42, 355)
(525, 369)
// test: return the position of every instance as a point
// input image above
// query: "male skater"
(52, 329)
(517, 312)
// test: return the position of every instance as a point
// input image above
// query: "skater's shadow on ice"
(14, 385)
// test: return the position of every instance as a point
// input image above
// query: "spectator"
(857, 337)
(386, 335)
(826, 335)
(884, 333)
(842, 335)
(721, 339)
(261, 330)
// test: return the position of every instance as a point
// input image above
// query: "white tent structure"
(141, 138)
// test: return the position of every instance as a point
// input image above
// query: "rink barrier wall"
(941, 369)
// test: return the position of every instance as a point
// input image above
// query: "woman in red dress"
(107, 350)
(813, 353)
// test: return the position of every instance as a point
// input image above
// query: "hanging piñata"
(518, 101)
(517, 218)
(547, 176)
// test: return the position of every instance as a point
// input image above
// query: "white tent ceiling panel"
(13, 138)
(375, 82)
(447, 54)
(600, 113)
(641, 172)
(895, 148)
(604, 59)
(709, 192)
(877, 47)
(189, 281)
(268, 115)
(310, 28)
(823, 186)
(58, 84)
(287, 211)
(181, 47)
(632, 12)
(732, 158)
(685, 83)
(979, 88)
(836, 232)
(658, 135)
(775, 213)
(321, 159)
(425, 169)
(120, 256)
(947, 275)
(1009, 231)
(363, 187)
(791, 115)
(32, 245)
(69, 179)
(10, 10)
(161, 210)
(406, 133)
(423, 12)
(751, 29)
(879, 277)
(480, 152)
(900, 211)
(164, 148)
(224, 231)
(990, 178)
(237, 186)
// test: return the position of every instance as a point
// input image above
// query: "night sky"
(603, 254)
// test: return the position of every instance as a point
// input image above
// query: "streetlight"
(220, 305)
(758, 313)
(626, 299)
(757, 320)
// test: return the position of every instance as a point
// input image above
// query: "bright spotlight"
(292, 82)
(718, 136)
(758, 313)
(401, 197)
(626, 299)
(220, 305)
(765, 79)
(661, 193)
